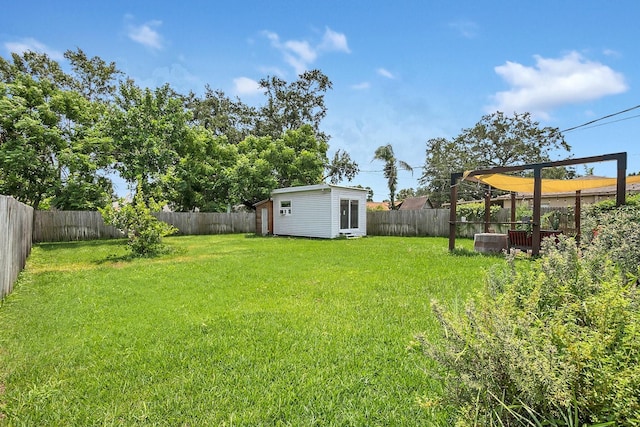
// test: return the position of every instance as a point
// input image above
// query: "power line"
(601, 118)
(613, 121)
(382, 170)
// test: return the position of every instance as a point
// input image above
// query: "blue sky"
(403, 72)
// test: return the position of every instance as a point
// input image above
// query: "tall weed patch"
(546, 343)
(613, 234)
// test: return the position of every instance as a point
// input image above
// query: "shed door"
(265, 221)
(348, 214)
(344, 214)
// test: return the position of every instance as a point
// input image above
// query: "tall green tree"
(264, 163)
(86, 184)
(222, 115)
(385, 154)
(496, 140)
(149, 129)
(51, 149)
(202, 177)
(30, 140)
(289, 106)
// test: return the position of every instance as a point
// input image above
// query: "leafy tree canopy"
(496, 140)
(264, 164)
(289, 106)
(50, 148)
(65, 128)
(149, 131)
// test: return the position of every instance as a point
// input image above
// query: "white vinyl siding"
(315, 211)
(309, 215)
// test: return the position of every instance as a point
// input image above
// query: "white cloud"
(300, 54)
(33, 45)
(466, 29)
(246, 86)
(302, 50)
(146, 34)
(385, 73)
(333, 41)
(554, 82)
(361, 86)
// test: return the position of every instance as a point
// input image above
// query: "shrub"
(545, 343)
(552, 219)
(611, 232)
(475, 211)
(143, 230)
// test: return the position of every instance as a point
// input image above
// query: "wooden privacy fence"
(16, 222)
(435, 222)
(61, 226)
(210, 222)
(56, 226)
(425, 222)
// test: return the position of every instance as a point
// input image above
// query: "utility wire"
(601, 118)
(613, 121)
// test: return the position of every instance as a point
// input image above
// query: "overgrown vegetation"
(552, 342)
(611, 233)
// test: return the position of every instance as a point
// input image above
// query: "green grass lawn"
(227, 330)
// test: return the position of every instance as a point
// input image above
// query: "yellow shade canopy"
(520, 184)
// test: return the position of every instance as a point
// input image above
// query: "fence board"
(63, 226)
(191, 223)
(60, 226)
(425, 222)
(16, 228)
(52, 226)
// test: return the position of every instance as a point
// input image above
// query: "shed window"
(285, 207)
(348, 214)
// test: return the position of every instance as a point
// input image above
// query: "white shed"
(322, 210)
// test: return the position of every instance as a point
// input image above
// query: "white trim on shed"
(322, 210)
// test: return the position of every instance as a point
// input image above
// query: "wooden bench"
(523, 239)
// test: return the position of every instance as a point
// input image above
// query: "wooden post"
(621, 190)
(537, 199)
(513, 211)
(487, 208)
(452, 210)
(577, 214)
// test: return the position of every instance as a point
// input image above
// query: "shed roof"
(314, 187)
(261, 202)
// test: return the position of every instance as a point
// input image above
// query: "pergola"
(495, 177)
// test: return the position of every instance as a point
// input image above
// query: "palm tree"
(385, 153)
